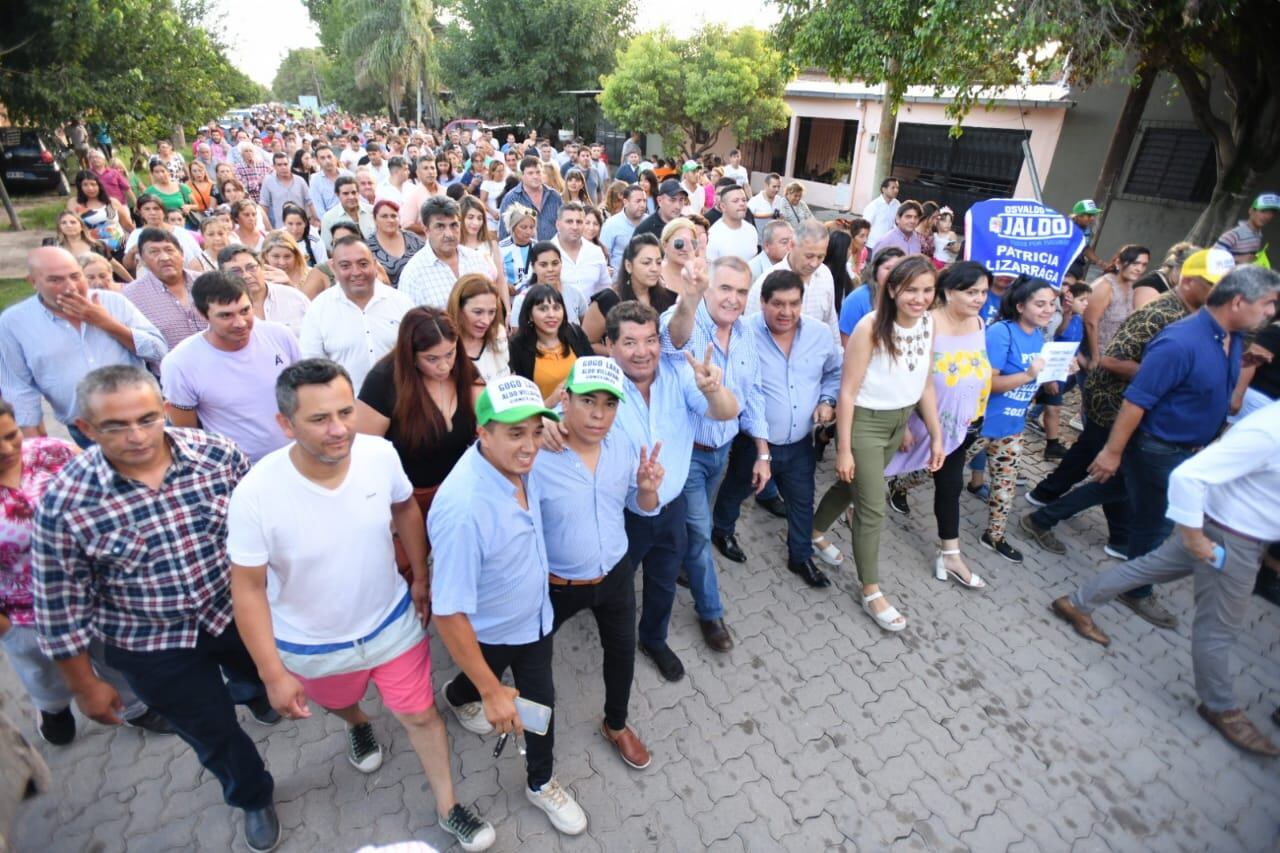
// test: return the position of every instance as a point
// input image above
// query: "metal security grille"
(1172, 163)
(979, 164)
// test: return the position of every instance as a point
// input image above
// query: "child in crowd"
(1074, 299)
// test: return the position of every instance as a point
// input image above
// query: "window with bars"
(1174, 164)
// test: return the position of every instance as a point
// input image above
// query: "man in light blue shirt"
(584, 489)
(708, 319)
(666, 398)
(49, 341)
(621, 227)
(800, 377)
(489, 594)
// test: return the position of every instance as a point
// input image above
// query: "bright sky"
(259, 33)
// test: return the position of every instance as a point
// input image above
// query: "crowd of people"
(327, 383)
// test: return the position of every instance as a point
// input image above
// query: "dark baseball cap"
(672, 189)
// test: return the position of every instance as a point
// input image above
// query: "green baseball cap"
(1267, 201)
(511, 400)
(1085, 207)
(595, 373)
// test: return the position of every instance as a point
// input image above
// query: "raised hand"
(87, 309)
(705, 372)
(649, 475)
(694, 278)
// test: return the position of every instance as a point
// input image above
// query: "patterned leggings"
(1003, 456)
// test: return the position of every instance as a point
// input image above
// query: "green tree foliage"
(690, 90)
(142, 66)
(391, 43)
(510, 59)
(971, 46)
(303, 71)
(1221, 52)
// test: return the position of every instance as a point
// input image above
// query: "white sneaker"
(561, 808)
(469, 714)
(363, 750)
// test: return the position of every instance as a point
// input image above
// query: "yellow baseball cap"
(1208, 264)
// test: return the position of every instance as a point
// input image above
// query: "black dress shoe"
(261, 829)
(729, 547)
(262, 711)
(150, 721)
(810, 574)
(773, 506)
(665, 660)
(716, 634)
(56, 727)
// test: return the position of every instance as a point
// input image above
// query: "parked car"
(28, 162)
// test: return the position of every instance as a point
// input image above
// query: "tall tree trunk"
(1135, 103)
(893, 91)
(1224, 210)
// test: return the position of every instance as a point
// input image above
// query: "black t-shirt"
(651, 224)
(425, 467)
(1267, 378)
(1153, 280)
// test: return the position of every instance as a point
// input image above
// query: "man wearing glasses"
(130, 546)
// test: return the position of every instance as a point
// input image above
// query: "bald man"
(50, 340)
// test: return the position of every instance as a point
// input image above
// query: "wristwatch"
(764, 457)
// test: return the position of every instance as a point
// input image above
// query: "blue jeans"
(186, 687)
(657, 544)
(706, 469)
(1147, 464)
(793, 470)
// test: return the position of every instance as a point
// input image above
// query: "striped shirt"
(741, 368)
(140, 568)
(176, 321)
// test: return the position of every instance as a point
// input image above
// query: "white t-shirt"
(882, 215)
(331, 567)
(738, 173)
(762, 209)
(723, 240)
(350, 158)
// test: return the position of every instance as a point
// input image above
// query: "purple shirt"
(115, 185)
(908, 243)
(233, 393)
(176, 321)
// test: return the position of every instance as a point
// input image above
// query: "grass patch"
(13, 290)
(40, 217)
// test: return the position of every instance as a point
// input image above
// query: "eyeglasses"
(247, 269)
(147, 424)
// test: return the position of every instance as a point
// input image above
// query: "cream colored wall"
(1045, 125)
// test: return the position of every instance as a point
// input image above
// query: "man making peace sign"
(666, 402)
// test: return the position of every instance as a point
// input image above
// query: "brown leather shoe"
(1240, 730)
(630, 748)
(716, 634)
(1082, 622)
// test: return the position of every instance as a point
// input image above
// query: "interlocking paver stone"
(986, 725)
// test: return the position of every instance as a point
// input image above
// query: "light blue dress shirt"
(582, 513)
(615, 235)
(490, 556)
(741, 370)
(674, 407)
(41, 354)
(794, 385)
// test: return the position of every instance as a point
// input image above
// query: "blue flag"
(1017, 236)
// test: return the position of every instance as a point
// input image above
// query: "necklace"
(912, 344)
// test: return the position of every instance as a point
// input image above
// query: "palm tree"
(391, 43)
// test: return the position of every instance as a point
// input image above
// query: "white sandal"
(829, 553)
(887, 618)
(941, 572)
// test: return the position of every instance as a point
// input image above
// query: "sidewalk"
(987, 725)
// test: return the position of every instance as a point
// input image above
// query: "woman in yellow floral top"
(962, 380)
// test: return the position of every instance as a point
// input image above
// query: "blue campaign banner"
(1020, 236)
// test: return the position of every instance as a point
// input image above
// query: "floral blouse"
(42, 459)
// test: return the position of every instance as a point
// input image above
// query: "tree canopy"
(968, 47)
(690, 90)
(512, 58)
(141, 66)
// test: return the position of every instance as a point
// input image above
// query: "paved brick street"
(988, 725)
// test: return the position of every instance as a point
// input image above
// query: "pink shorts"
(404, 684)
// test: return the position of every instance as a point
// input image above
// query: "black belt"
(1246, 536)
